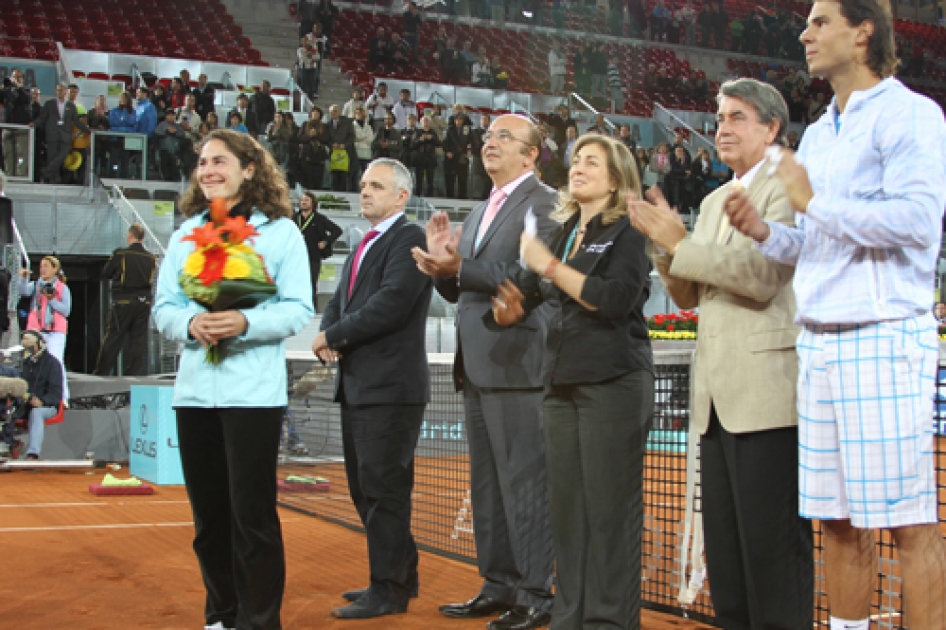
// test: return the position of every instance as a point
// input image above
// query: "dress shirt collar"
(385, 225)
(857, 98)
(746, 180)
(514, 184)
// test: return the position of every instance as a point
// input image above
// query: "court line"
(58, 528)
(86, 504)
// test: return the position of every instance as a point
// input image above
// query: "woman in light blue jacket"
(121, 119)
(229, 416)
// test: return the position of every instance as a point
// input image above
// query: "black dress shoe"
(356, 594)
(521, 619)
(367, 607)
(479, 606)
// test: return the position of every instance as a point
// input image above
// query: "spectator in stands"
(35, 103)
(736, 30)
(706, 23)
(307, 60)
(15, 108)
(566, 148)
(185, 77)
(399, 54)
(721, 23)
(319, 233)
(57, 118)
(314, 140)
(262, 107)
(793, 140)
(160, 100)
(642, 160)
(548, 164)
(387, 141)
(236, 123)
(74, 98)
(357, 100)
(280, 135)
(796, 105)
(666, 84)
(688, 23)
(615, 85)
(459, 111)
(678, 182)
(412, 20)
(403, 108)
(378, 50)
(169, 137)
(146, 116)
(424, 158)
(50, 307)
(189, 120)
(557, 69)
(451, 62)
(625, 137)
(558, 121)
(481, 75)
(500, 75)
(680, 141)
(43, 375)
(341, 137)
(121, 119)
(719, 174)
(178, 96)
(439, 125)
(205, 95)
(699, 86)
(600, 126)
(939, 311)
(212, 121)
(364, 136)
(816, 109)
(318, 41)
(379, 105)
(469, 58)
(599, 71)
(229, 436)
(326, 14)
(242, 108)
(481, 184)
(660, 163)
(753, 32)
(458, 147)
(581, 67)
(659, 21)
(98, 121)
(650, 79)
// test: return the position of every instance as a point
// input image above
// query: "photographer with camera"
(44, 379)
(49, 309)
(15, 99)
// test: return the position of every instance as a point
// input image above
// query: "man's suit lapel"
(376, 250)
(518, 197)
(468, 240)
(758, 182)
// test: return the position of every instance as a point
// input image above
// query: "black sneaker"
(32, 456)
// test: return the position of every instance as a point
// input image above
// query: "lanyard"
(570, 242)
(308, 221)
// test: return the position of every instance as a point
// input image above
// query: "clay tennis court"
(79, 561)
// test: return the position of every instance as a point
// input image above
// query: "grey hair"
(765, 99)
(403, 180)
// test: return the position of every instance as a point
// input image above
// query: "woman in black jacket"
(313, 151)
(599, 377)
(424, 150)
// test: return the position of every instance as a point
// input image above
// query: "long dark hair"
(881, 47)
(267, 191)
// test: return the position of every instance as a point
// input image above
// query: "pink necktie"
(370, 236)
(496, 199)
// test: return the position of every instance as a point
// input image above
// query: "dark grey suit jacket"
(493, 357)
(49, 121)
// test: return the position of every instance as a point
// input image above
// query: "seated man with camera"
(43, 375)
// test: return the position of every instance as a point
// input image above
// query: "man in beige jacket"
(758, 549)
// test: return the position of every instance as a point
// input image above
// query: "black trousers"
(57, 149)
(595, 437)
(424, 180)
(340, 181)
(315, 268)
(127, 322)
(456, 176)
(508, 490)
(759, 551)
(379, 443)
(229, 459)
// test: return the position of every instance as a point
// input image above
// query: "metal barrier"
(312, 445)
(19, 146)
(117, 158)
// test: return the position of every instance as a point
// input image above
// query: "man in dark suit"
(499, 371)
(342, 136)
(204, 95)
(457, 149)
(374, 326)
(319, 233)
(57, 118)
(262, 109)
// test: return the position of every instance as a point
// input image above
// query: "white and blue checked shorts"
(865, 422)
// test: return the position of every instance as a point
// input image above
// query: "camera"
(48, 289)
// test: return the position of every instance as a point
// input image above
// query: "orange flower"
(204, 235)
(215, 261)
(238, 230)
(218, 210)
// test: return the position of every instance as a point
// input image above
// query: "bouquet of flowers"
(673, 326)
(224, 272)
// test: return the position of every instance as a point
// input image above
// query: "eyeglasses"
(503, 136)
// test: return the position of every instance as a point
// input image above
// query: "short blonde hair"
(622, 167)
